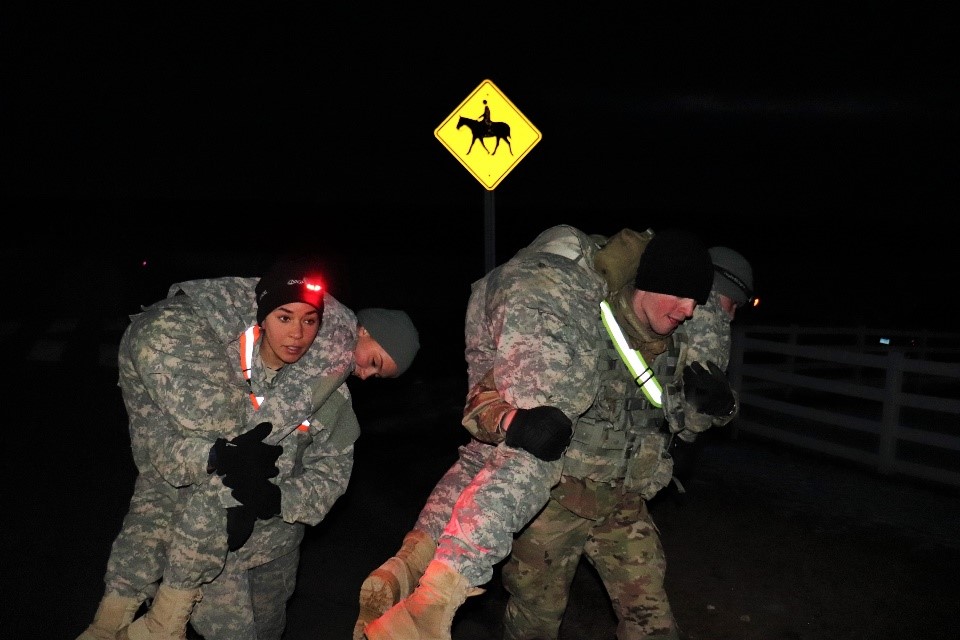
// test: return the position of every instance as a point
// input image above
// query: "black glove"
(246, 454)
(543, 431)
(708, 392)
(240, 522)
(258, 494)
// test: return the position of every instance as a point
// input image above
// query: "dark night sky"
(821, 143)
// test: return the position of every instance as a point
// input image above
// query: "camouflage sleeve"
(324, 466)
(708, 334)
(332, 351)
(180, 390)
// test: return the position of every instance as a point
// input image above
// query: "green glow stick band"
(642, 374)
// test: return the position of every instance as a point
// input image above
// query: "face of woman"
(288, 331)
(370, 359)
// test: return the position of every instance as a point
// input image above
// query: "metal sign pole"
(489, 219)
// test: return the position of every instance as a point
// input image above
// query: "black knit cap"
(677, 263)
(290, 279)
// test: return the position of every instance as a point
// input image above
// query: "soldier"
(709, 328)
(197, 371)
(566, 325)
(595, 512)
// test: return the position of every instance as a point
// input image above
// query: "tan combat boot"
(427, 614)
(395, 579)
(167, 618)
(113, 614)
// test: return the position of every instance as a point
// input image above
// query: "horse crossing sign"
(488, 134)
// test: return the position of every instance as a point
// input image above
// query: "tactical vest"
(622, 437)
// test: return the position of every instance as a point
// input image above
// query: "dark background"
(147, 144)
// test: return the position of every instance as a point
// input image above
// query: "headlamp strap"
(642, 374)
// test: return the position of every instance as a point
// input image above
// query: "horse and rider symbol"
(484, 127)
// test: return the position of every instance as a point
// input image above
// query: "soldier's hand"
(259, 495)
(240, 521)
(708, 391)
(247, 454)
(543, 431)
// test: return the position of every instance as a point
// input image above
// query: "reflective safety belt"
(642, 374)
(247, 340)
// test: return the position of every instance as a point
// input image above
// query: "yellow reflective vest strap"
(642, 374)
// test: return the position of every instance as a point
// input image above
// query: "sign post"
(489, 136)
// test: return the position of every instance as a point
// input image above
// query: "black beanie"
(289, 280)
(677, 263)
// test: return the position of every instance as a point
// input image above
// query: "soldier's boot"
(167, 617)
(113, 614)
(427, 614)
(395, 579)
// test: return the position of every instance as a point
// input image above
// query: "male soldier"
(709, 328)
(594, 511)
(540, 348)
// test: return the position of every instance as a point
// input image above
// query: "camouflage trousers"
(488, 495)
(247, 604)
(139, 552)
(623, 544)
(177, 534)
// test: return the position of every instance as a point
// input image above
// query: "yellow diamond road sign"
(488, 134)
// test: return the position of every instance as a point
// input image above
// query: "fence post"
(791, 362)
(861, 348)
(890, 420)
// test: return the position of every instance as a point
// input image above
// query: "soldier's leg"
(627, 553)
(511, 488)
(271, 587)
(540, 571)
(138, 554)
(226, 610)
(196, 396)
(503, 497)
(397, 577)
(187, 390)
(436, 512)
(171, 608)
(198, 537)
(139, 551)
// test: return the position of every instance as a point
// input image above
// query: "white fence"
(889, 400)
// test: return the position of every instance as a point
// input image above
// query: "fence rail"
(889, 400)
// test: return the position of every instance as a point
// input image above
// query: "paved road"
(766, 543)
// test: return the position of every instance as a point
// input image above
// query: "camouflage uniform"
(709, 333)
(617, 460)
(531, 325)
(182, 386)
